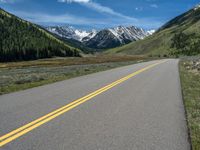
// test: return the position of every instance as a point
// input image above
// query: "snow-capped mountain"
(128, 33)
(113, 37)
(106, 38)
(150, 32)
(197, 7)
(89, 36)
(70, 32)
(102, 40)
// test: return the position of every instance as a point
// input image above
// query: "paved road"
(145, 112)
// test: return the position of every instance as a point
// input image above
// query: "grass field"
(72, 61)
(17, 76)
(190, 80)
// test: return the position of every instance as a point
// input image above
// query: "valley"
(116, 76)
(162, 42)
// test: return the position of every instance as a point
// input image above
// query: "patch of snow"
(81, 34)
(71, 33)
(197, 7)
(120, 33)
(93, 33)
(114, 31)
(128, 33)
(150, 32)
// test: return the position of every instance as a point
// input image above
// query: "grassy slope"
(150, 45)
(31, 36)
(160, 42)
(48, 34)
(190, 80)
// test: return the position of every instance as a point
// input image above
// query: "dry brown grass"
(73, 61)
(17, 76)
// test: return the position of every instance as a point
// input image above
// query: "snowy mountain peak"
(131, 33)
(150, 32)
(81, 34)
(71, 33)
(197, 7)
(106, 38)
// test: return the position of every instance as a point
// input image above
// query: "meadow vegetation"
(190, 81)
(23, 75)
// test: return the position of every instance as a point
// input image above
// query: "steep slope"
(103, 39)
(70, 32)
(128, 33)
(163, 42)
(89, 36)
(77, 44)
(113, 37)
(22, 40)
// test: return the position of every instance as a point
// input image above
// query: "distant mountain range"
(23, 40)
(102, 39)
(72, 33)
(179, 36)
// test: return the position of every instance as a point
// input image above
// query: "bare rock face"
(103, 39)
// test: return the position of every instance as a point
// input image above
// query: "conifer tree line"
(21, 40)
(185, 44)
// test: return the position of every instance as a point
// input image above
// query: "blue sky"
(87, 14)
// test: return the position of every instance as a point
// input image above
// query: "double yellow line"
(7, 138)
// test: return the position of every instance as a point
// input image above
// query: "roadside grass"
(17, 76)
(190, 81)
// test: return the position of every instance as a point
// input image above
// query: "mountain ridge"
(23, 40)
(96, 38)
(164, 42)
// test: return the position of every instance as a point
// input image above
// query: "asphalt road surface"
(138, 107)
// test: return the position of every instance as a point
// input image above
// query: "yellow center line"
(7, 138)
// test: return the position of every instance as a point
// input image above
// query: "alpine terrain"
(180, 36)
(22, 40)
(103, 39)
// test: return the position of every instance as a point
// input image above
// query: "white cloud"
(151, 0)
(98, 7)
(75, 1)
(47, 19)
(3, 1)
(104, 9)
(7, 1)
(43, 18)
(154, 5)
(10, 1)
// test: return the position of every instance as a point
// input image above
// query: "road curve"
(144, 111)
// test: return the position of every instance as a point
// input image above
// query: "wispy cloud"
(7, 1)
(99, 8)
(47, 19)
(154, 5)
(66, 18)
(120, 18)
(62, 19)
(76, 1)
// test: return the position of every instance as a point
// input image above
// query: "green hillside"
(180, 36)
(22, 40)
